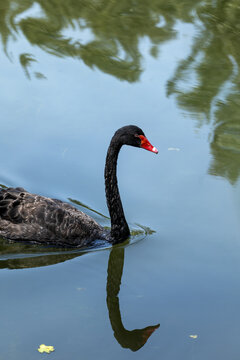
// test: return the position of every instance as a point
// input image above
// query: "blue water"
(55, 130)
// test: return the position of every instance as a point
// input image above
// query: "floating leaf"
(43, 348)
(193, 336)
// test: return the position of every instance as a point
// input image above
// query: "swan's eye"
(145, 144)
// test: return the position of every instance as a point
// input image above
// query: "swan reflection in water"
(134, 339)
(19, 256)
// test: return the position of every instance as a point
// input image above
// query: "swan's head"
(134, 136)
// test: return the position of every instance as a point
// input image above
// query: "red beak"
(145, 144)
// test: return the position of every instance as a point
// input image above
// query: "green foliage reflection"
(214, 93)
(107, 34)
(116, 29)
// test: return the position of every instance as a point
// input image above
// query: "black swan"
(37, 219)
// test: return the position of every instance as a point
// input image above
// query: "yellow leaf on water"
(43, 348)
(193, 336)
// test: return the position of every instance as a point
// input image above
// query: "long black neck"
(119, 227)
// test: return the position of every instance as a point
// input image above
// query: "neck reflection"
(134, 339)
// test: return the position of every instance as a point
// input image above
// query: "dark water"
(72, 72)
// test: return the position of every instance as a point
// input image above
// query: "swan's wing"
(41, 219)
(19, 206)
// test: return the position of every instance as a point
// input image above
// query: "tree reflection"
(19, 256)
(214, 64)
(116, 29)
(107, 35)
(225, 146)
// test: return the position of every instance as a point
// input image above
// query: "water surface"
(71, 74)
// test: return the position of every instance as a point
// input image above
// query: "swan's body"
(38, 219)
(35, 218)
